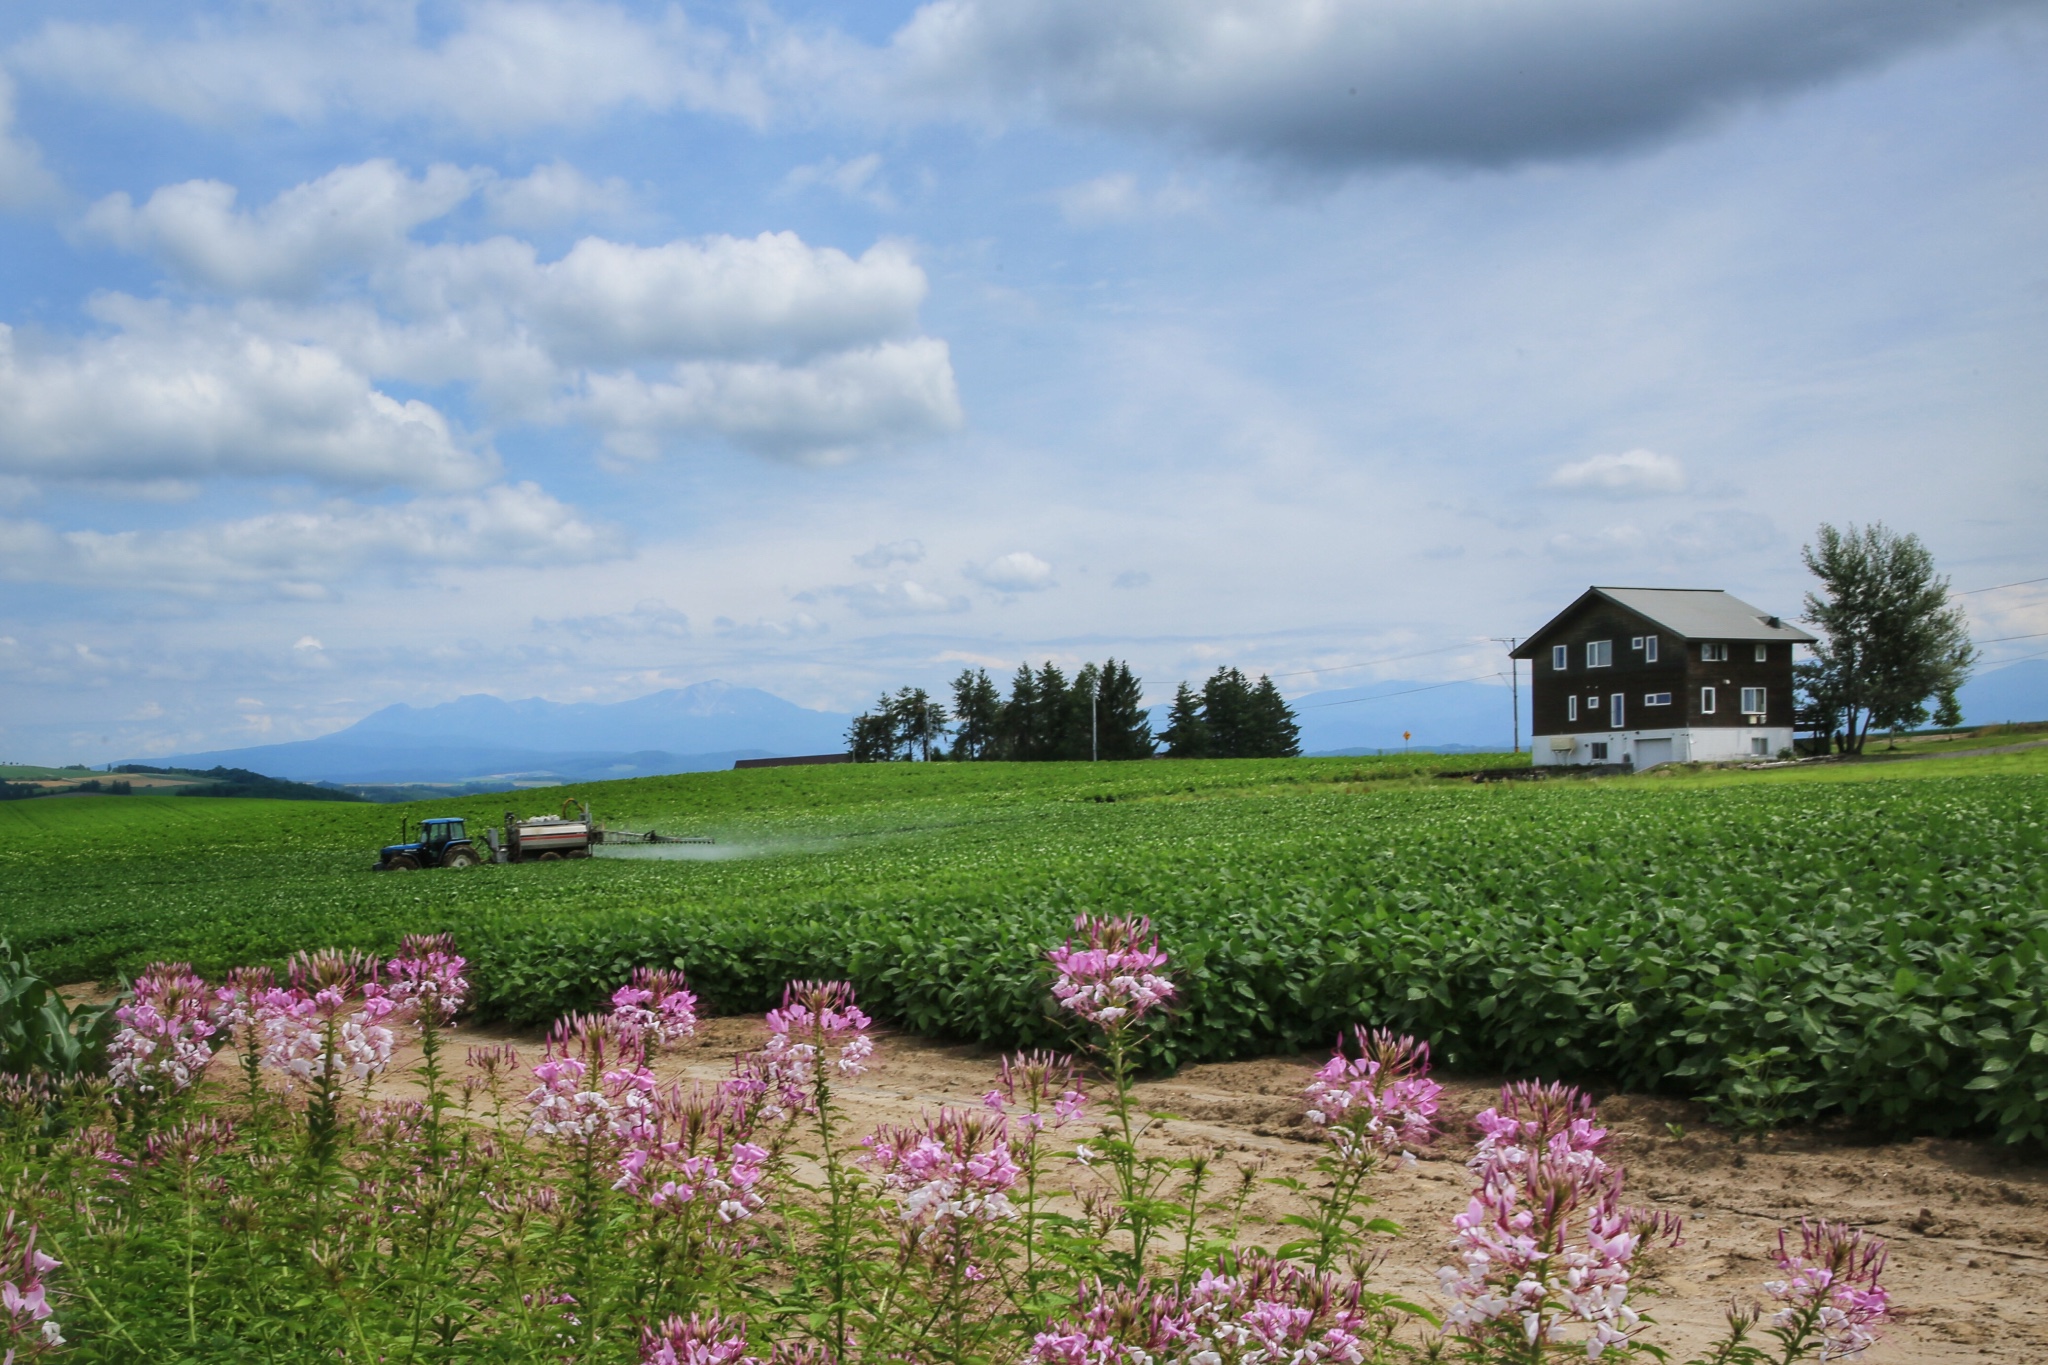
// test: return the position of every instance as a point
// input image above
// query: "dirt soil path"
(1967, 1222)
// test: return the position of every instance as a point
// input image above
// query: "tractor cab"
(442, 843)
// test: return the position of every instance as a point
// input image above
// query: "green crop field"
(1866, 940)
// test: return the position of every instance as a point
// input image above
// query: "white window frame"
(1649, 649)
(1571, 708)
(1763, 654)
(1599, 653)
(1762, 696)
(1713, 653)
(1759, 747)
(1656, 699)
(1706, 701)
(1635, 642)
(1560, 658)
(1617, 711)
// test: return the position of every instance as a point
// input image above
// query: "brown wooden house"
(1643, 676)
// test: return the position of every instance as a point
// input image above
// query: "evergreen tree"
(1187, 732)
(1019, 716)
(920, 721)
(1274, 731)
(1227, 709)
(872, 736)
(1124, 729)
(1052, 721)
(977, 713)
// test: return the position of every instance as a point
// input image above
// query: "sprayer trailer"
(544, 838)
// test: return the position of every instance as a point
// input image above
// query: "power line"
(2003, 638)
(1996, 587)
(1373, 663)
(1388, 696)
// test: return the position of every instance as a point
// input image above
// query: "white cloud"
(23, 181)
(800, 626)
(894, 552)
(648, 617)
(1466, 82)
(350, 218)
(1118, 198)
(820, 412)
(308, 642)
(1631, 473)
(502, 65)
(188, 395)
(858, 179)
(893, 599)
(554, 194)
(301, 554)
(1018, 571)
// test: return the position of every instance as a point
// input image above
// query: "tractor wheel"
(551, 857)
(402, 862)
(461, 857)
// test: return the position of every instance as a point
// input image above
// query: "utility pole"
(1094, 732)
(1514, 688)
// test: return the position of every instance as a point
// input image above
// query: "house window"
(1706, 701)
(1635, 642)
(1713, 654)
(1649, 649)
(1599, 752)
(1599, 653)
(1614, 711)
(1592, 707)
(1558, 656)
(1763, 653)
(1752, 701)
(1760, 746)
(1571, 708)
(1656, 699)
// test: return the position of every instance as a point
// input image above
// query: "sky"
(374, 351)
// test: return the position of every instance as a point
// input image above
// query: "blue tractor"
(442, 843)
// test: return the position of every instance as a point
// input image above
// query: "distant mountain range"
(486, 739)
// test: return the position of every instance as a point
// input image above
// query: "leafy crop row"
(1872, 949)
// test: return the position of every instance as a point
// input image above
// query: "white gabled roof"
(1705, 614)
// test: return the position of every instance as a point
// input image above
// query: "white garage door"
(1651, 752)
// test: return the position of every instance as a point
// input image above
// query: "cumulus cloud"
(352, 217)
(894, 552)
(1118, 198)
(500, 66)
(1018, 571)
(181, 395)
(1633, 473)
(300, 554)
(819, 413)
(554, 194)
(1359, 82)
(23, 180)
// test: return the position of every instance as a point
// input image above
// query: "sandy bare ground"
(1967, 1223)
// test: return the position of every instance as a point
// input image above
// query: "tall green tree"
(1122, 728)
(977, 712)
(1187, 732)
(1227, 707)
(1078, 732)
(872, 736)
(921, 721)
(1890, 638)
(1016, 729)
(1274, 732)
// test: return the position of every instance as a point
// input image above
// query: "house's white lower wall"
(1700, 744)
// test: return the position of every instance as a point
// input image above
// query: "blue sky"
(378, 351)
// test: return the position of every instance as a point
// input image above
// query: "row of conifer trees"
(1100, 714)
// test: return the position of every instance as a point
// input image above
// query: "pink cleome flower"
(712, 1340)
(328, 1027)
(1038, 1082)
(592, 1086)
(654, 1008)
(162, 1046)
(1256, 1311)
(1112, 980)
(1380, 1102)
(956, 1169)
(1544, 1246)
(815, 1018)
(25, 1311)
(426, 978)
(688, 1150)
(1832, 1280)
